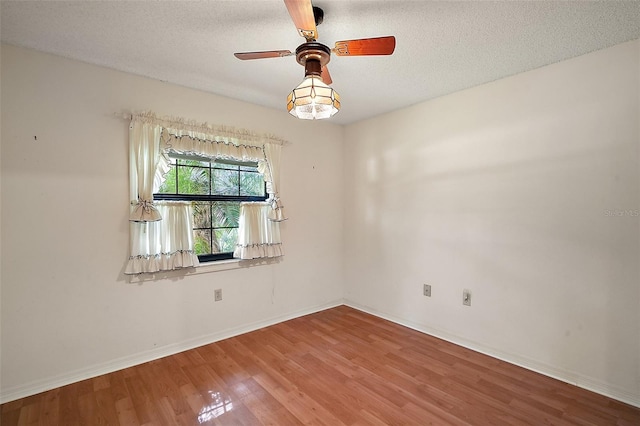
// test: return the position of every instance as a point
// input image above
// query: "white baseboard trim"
(35, 387)
(577, 379)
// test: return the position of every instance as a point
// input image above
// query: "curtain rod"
(179, 123)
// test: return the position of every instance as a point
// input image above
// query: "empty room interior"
(453, 239)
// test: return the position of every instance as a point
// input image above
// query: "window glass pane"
(225, 166)
(202, 241)
(249, 168)
(202, 215)
(169, 185)
(193, 180)
(227, 239)
(194, 163)
(251, 184)
(225, 214)
(224, 182)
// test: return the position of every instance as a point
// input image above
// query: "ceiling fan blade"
(365, 46)
(326, 77)
(301, 12)
(261, 55)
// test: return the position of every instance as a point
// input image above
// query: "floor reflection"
(219, 405)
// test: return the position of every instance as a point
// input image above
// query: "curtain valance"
(180, 126)
(210, 147)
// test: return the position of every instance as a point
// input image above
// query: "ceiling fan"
(313, 98)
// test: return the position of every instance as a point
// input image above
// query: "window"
(216, 188)
(162, 232)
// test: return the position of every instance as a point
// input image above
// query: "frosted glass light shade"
(313, 100)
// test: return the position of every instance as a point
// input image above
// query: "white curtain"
(144, 158)
(163, 245)
(258, 235)
(271, 171)
(161, 236)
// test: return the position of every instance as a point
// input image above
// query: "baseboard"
(566, 376)
(32, 388)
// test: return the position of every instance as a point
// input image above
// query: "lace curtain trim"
(144, 264)
(149, 256)
(256, 251)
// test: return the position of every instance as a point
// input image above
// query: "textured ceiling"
(442, 47)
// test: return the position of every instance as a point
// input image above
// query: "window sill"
(217, 265)
(204, 268)
(227, 264)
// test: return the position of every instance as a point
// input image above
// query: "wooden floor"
(336, 367)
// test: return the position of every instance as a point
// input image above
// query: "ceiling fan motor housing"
(313, 56)
(318, 15)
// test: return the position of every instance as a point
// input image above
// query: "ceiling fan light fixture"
(313, 99)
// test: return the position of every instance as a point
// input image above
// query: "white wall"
(525, 191)
(68, 311)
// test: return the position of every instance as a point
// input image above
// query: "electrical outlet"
(217, 294)
(427, 290)
(466, 297)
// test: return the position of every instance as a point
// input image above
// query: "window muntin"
(216, 188)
